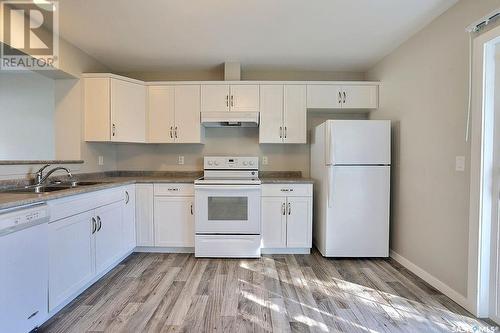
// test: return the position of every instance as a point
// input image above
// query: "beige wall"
(424, 92)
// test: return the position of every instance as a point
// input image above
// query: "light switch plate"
(181, 160)
(101, 160)
(460, 163)
(265, 161)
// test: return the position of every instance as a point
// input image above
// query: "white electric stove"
(227, 201)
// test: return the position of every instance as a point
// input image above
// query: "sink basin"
(59, 186)
(39, 189)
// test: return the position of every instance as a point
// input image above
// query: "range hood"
(230, 119)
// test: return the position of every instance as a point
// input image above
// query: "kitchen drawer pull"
(340, 97)
(192, 213)
(127, 197)
(344, 97)
(289, 209)
(173, 189)
(283, 209)
(100, 224)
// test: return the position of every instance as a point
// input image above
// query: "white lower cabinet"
(108, 236)
(144, 214)
(70, 256)
(287, 220)
(174, 215)
(129, 233)
(87, 237)
(174, 221)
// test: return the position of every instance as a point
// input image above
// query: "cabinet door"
(128, 111)
(108, 235)
(174, 221)
(129, 236)
(244, 97)
(271, 114)
(360, 97)
(144, 214)
(273, 222)
(295, 114)
(96, 99)
(214, 97)
(324, 96)
(299, 222)
(160, 114)
(70, 257)
(187, 114)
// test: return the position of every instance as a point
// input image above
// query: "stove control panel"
(227, 162)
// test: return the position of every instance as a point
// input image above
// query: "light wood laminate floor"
(278, 293)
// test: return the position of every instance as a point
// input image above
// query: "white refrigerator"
(350, 163)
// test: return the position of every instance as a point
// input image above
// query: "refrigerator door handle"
(330, 187)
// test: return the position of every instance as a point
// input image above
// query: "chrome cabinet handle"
(283, 209)
(171, 129)
(114, 129)
(99, 224)
(227, 100)
(281, 132)
(285, 132)
(340, 97)
(127, 197)
(192, 209)
(289, 209)
(172, 189)
(175, 132)
(33, 314)
(287, 190)
(232, 100)
(344, 97)
(94, 226)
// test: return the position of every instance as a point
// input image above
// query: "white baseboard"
(432, 280)
(286, 251)
(159, 249)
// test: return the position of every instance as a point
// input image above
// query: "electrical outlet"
(101, 160)
(460, 163)
(181, 160)
(265, 160)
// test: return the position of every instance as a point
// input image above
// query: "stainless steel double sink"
(52, 187)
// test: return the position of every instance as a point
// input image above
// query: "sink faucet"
(40, 178)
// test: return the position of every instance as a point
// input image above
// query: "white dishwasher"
(23, 268)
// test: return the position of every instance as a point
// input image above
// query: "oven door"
(227, 209)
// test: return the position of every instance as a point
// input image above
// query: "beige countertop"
(14, 199)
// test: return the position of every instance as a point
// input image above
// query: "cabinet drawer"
(288, 190)
(174, 189)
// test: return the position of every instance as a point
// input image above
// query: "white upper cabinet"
(161, 110)
(223, 97)
(271, 114)
(295, 114)
(283, 114)
(115, 110)
(331, 96)
(244, 97)
(214, 98)
(174, 114)
(360, 97)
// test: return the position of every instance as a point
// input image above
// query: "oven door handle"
(228, 187)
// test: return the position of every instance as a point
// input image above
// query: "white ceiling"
(333, 35)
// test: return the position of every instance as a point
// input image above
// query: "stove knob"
(251, 162)
(245, 163)
(210, 162)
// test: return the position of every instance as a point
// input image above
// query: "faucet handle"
(39, 173)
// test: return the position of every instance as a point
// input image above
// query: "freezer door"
(358, 142)
(358, 211)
